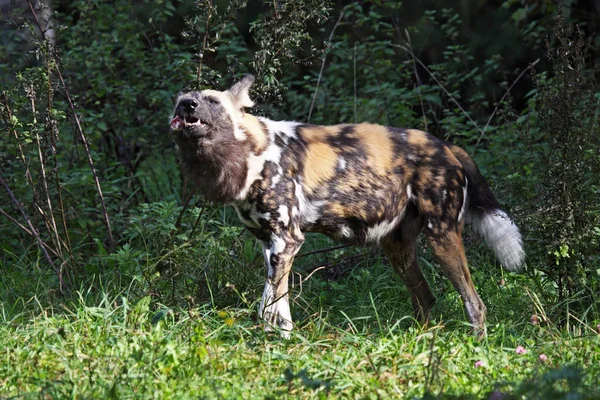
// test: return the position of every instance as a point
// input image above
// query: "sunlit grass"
(354, 338)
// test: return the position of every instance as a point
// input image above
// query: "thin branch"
(312, 104)
(198, 219)
(310, 253)
(305, 279)
(530, 67)
(27, 231)
(409, 51)
(418, 79)
(8, 116)
(83, 138)
(35, 234)
(52, 229)
(329, 265)
(204, 43)
(186, 197)
(51, 123)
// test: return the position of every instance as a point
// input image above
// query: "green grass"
(353, 340)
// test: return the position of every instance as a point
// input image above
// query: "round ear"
(240, 92)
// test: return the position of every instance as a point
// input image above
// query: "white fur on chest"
(256, 162)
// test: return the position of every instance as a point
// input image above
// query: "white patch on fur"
(256, 164)
(234, 113)
(278, 245)
(346, 232)
(275, 311)
(267, 255)
(409, 192)
(444, 195)
(309, 211)
(461, 214)
(342, 164)
(256, 216)
(275, 180)
(430, 225)
(239, 134)
(285, 129)
(375, 233)
(284, 215)
(503, 236)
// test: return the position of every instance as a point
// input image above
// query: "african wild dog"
(359, 184)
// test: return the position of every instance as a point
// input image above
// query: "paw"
(276, 312)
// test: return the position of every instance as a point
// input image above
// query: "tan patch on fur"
(455, 149)
(319, 133)
(426, 206)
(451, 157)
(380, 151)
(338, 210)
(320, 164)
(417, 138)
(425, 177)
(356, 209)
(255, 131)
(421, 142)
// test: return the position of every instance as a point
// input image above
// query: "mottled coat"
(358, 183)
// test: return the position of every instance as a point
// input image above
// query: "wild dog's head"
(210, 114)
(212, 147)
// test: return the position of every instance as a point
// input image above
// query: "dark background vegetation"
(92, 196)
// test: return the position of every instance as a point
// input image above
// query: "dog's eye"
(212, 100)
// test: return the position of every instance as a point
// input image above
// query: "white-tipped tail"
(502, 235)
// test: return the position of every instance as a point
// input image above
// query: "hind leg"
(448, 248)
(401, 250)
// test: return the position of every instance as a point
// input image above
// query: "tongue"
(177, 123)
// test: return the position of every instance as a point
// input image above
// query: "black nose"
(189, 104)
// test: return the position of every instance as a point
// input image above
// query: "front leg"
(279, 255)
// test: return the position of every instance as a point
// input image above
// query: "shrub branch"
(83, 138)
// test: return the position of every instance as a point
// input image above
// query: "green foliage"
(280, 36)
(177, 253)
(563, 137)
(375, 75)
(216, 41)
(116, 81)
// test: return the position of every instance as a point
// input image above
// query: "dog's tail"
(484, 215)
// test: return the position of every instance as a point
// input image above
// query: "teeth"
(177, 123)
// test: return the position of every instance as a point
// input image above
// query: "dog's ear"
(240, 93)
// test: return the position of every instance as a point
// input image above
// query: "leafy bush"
(72, 183)
(563, 137)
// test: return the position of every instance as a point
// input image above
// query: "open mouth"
(178, 123)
